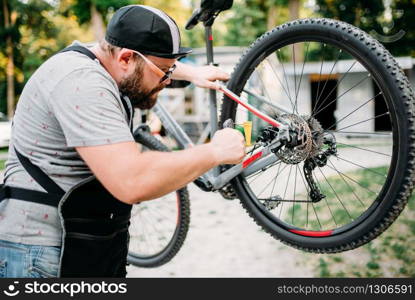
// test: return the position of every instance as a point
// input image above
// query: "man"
(74, 170)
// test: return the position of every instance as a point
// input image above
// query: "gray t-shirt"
(70, 101)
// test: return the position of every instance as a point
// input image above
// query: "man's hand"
(228, 146)
(204, 76)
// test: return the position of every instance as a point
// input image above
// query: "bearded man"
(74, 170)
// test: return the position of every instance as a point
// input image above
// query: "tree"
(248, 21)
(96, 13)
(9, 23)
(363, 14)
(403, 14)
(14, 16)
(370, 17)
(252, 18)
(37, 30)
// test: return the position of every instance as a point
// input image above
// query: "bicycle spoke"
(149, 245)
(360, 132)
(142, 227)
(366, 168)
(319, 79)
(151, 232)
(295, 185)
(279, 80)
(341, 119)
(288, 180)
(308, 201)
(318, 219)
(301, 76)
(305, 185)
(265, 187)
(264, 88)
(286, 186)
(327, 204)
(285, 77)
(153, 225)
(257, 175)
(332, 68)
(286, 200)
(364, 78)
(351, 189)
(375, 117)
(295, 78)
(275, 180)
(364, 149)
(154, 230)
(158, 214)
(358, 183)
(337, 84)
(261, 173)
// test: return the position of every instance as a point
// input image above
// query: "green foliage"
(363, 14)
(403, 19)
(248, 21)
(324, 268)
(370, 17)
(30, 14)
(82, 8)
(12, 31)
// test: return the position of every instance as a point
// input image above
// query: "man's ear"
(124, 58)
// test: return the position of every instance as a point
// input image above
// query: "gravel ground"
(223, 241)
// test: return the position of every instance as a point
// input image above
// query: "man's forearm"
(169, 171)
(183, 72)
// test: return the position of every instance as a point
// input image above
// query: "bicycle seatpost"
(212, 93)
(213, 106)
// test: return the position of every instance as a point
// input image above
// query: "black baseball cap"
(145, 29)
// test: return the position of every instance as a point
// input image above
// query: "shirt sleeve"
(89, 110)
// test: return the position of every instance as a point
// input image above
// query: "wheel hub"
(307, 139)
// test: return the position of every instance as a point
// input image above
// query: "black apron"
(95, 224)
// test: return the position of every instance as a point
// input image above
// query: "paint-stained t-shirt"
(70, 101)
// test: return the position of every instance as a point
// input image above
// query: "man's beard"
(132, 86)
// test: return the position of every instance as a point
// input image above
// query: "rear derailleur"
(304, 142)
(319, 160)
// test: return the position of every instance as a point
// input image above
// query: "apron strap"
(130, 113)
(91, 55)
(80, 49)
(7, 192)
(39, 176)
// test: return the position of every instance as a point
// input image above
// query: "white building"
(346, 87)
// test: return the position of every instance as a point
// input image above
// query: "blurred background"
(223, 240)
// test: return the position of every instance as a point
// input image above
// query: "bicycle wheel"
(328, 79)
(158, 227)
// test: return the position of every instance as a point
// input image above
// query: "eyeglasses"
(164, 75)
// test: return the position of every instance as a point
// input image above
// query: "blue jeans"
(21, 260)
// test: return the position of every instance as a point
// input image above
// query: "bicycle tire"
(387, 73)
(151, 260)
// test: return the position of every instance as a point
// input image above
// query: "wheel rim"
(154, 226)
